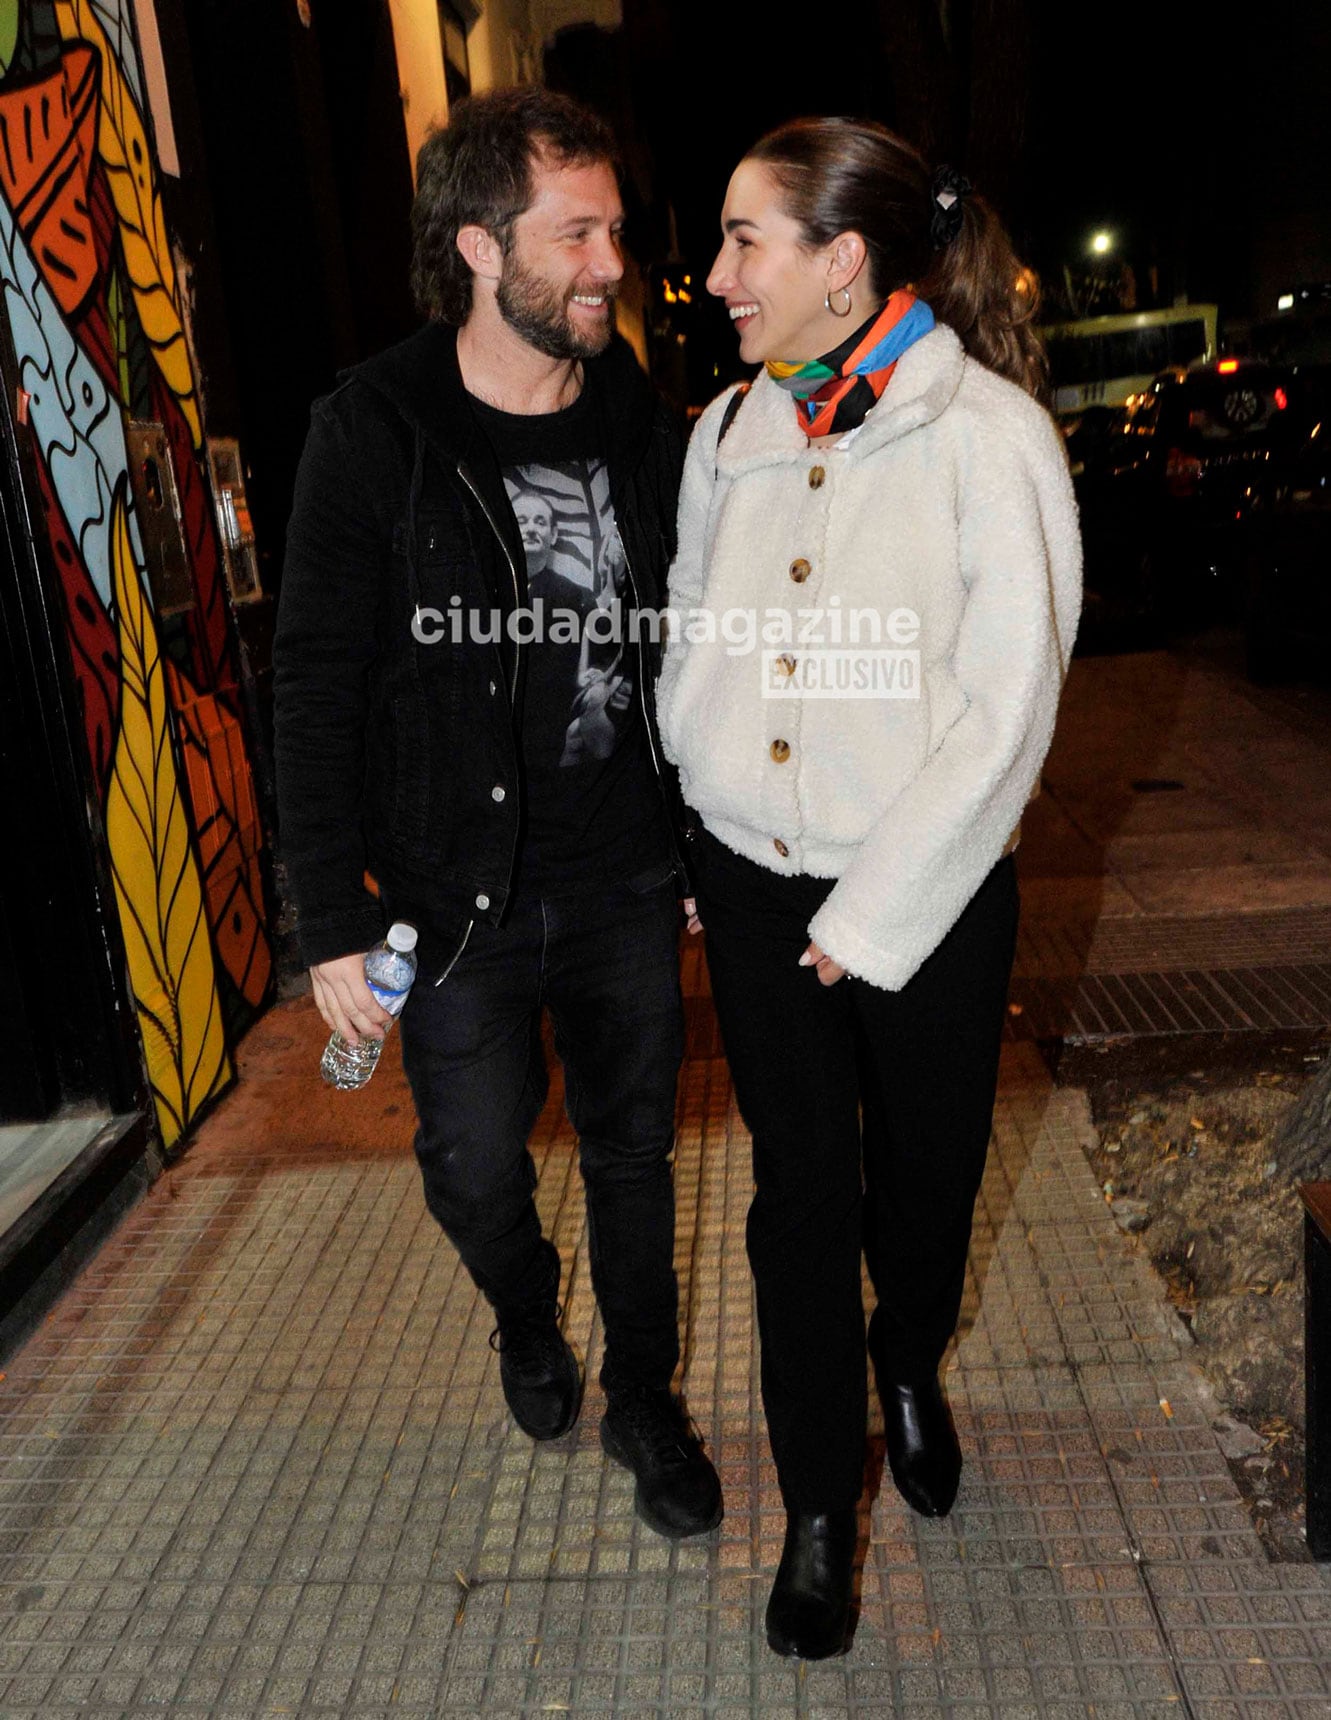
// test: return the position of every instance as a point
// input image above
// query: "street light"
(1102, 242)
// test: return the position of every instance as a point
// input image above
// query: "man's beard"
(539, 313)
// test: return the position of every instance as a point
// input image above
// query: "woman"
(854, 868)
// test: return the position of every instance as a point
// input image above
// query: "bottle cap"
(401, 936)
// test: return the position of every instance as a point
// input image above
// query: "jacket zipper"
(457, 956)
(646, 715)
(484, 506)
(493, 524)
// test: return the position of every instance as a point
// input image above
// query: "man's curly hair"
(477, 170)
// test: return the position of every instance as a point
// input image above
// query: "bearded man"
(421, 730)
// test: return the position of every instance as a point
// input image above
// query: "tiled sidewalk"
(257, 1462)
(1176, 872)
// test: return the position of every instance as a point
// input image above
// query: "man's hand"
(828, 971)
(345, 1001)
(691, 915)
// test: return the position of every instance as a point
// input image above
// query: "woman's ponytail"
(979, 287)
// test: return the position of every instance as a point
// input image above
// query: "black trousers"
(870, 1113)
(605, 961)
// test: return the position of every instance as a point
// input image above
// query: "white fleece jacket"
(953, 502)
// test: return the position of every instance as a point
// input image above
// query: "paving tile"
(259, 1461)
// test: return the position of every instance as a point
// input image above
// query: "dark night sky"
(1204, 151)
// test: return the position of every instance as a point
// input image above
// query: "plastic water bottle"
(390, 967)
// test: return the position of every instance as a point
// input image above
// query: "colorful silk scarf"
(834, 393)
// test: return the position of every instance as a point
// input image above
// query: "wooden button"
(780, 751)
(800, 570)
(780, 847)
(816, 476)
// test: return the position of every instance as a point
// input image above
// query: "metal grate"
(1184, 1000)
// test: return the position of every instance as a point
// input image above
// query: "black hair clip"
(949, 187)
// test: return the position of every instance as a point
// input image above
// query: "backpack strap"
(731, 412)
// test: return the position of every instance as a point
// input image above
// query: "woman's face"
(774, 287)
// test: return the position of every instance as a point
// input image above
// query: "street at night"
(575, 1139)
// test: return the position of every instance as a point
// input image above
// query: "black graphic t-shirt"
(593, 807)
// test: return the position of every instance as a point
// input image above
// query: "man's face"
(564, 265)
(536, 523)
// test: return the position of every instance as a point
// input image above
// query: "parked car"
(1164, 495)
(1286, 583)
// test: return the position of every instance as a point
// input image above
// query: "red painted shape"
(227, 828)
(48, 142)
(91, 327)
(92, 636)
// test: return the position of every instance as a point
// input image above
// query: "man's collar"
(422, 378)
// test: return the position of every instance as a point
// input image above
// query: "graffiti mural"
(94, 312)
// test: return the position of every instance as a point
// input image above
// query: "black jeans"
(870, 1113)
(604, 961)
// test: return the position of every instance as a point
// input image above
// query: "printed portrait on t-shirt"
(576, 566)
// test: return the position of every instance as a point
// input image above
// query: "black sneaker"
(539, 1373)
(678, 1492)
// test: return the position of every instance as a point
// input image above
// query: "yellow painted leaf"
(159, 893)
(122, 144)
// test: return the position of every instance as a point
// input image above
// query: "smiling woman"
(854, 833)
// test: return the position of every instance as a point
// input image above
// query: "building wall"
(96, 319)
(420, 65)
(503, 48)
(550, 16)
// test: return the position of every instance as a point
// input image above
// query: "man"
(421, 735)
(535, 516)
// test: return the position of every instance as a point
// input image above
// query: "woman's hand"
(691, 915)
(828, 970)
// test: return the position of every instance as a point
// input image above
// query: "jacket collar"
(767, 432)
(421, 377)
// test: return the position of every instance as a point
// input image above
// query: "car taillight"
(1182, 472)
(1227, 366)
(1282, 400)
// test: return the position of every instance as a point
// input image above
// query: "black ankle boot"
(539, 1373)
(808, 1613)
(922, 1448)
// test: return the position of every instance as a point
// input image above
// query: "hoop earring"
(827, 300)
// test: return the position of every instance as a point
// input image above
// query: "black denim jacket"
(390, 751)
